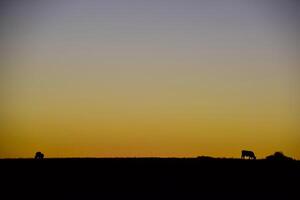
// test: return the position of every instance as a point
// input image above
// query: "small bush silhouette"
(205, 158)
(278, 156)
(39, 156)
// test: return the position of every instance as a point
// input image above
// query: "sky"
(159, 78)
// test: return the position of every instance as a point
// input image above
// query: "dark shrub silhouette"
(249, 154)
(278, 156)
(205, 158)
(39, 156)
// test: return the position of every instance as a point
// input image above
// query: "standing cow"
(249, 154)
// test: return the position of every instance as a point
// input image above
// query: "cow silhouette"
(249, 154)
(39, 156)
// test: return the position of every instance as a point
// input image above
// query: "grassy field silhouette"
(150, 178)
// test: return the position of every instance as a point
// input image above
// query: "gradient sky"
(144, 78)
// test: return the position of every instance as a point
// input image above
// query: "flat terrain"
(149, 178)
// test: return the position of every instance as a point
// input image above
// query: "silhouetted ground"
(150, 178)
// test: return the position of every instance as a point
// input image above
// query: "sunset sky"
(137, 78)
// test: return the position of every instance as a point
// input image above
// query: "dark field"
(149, 178)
